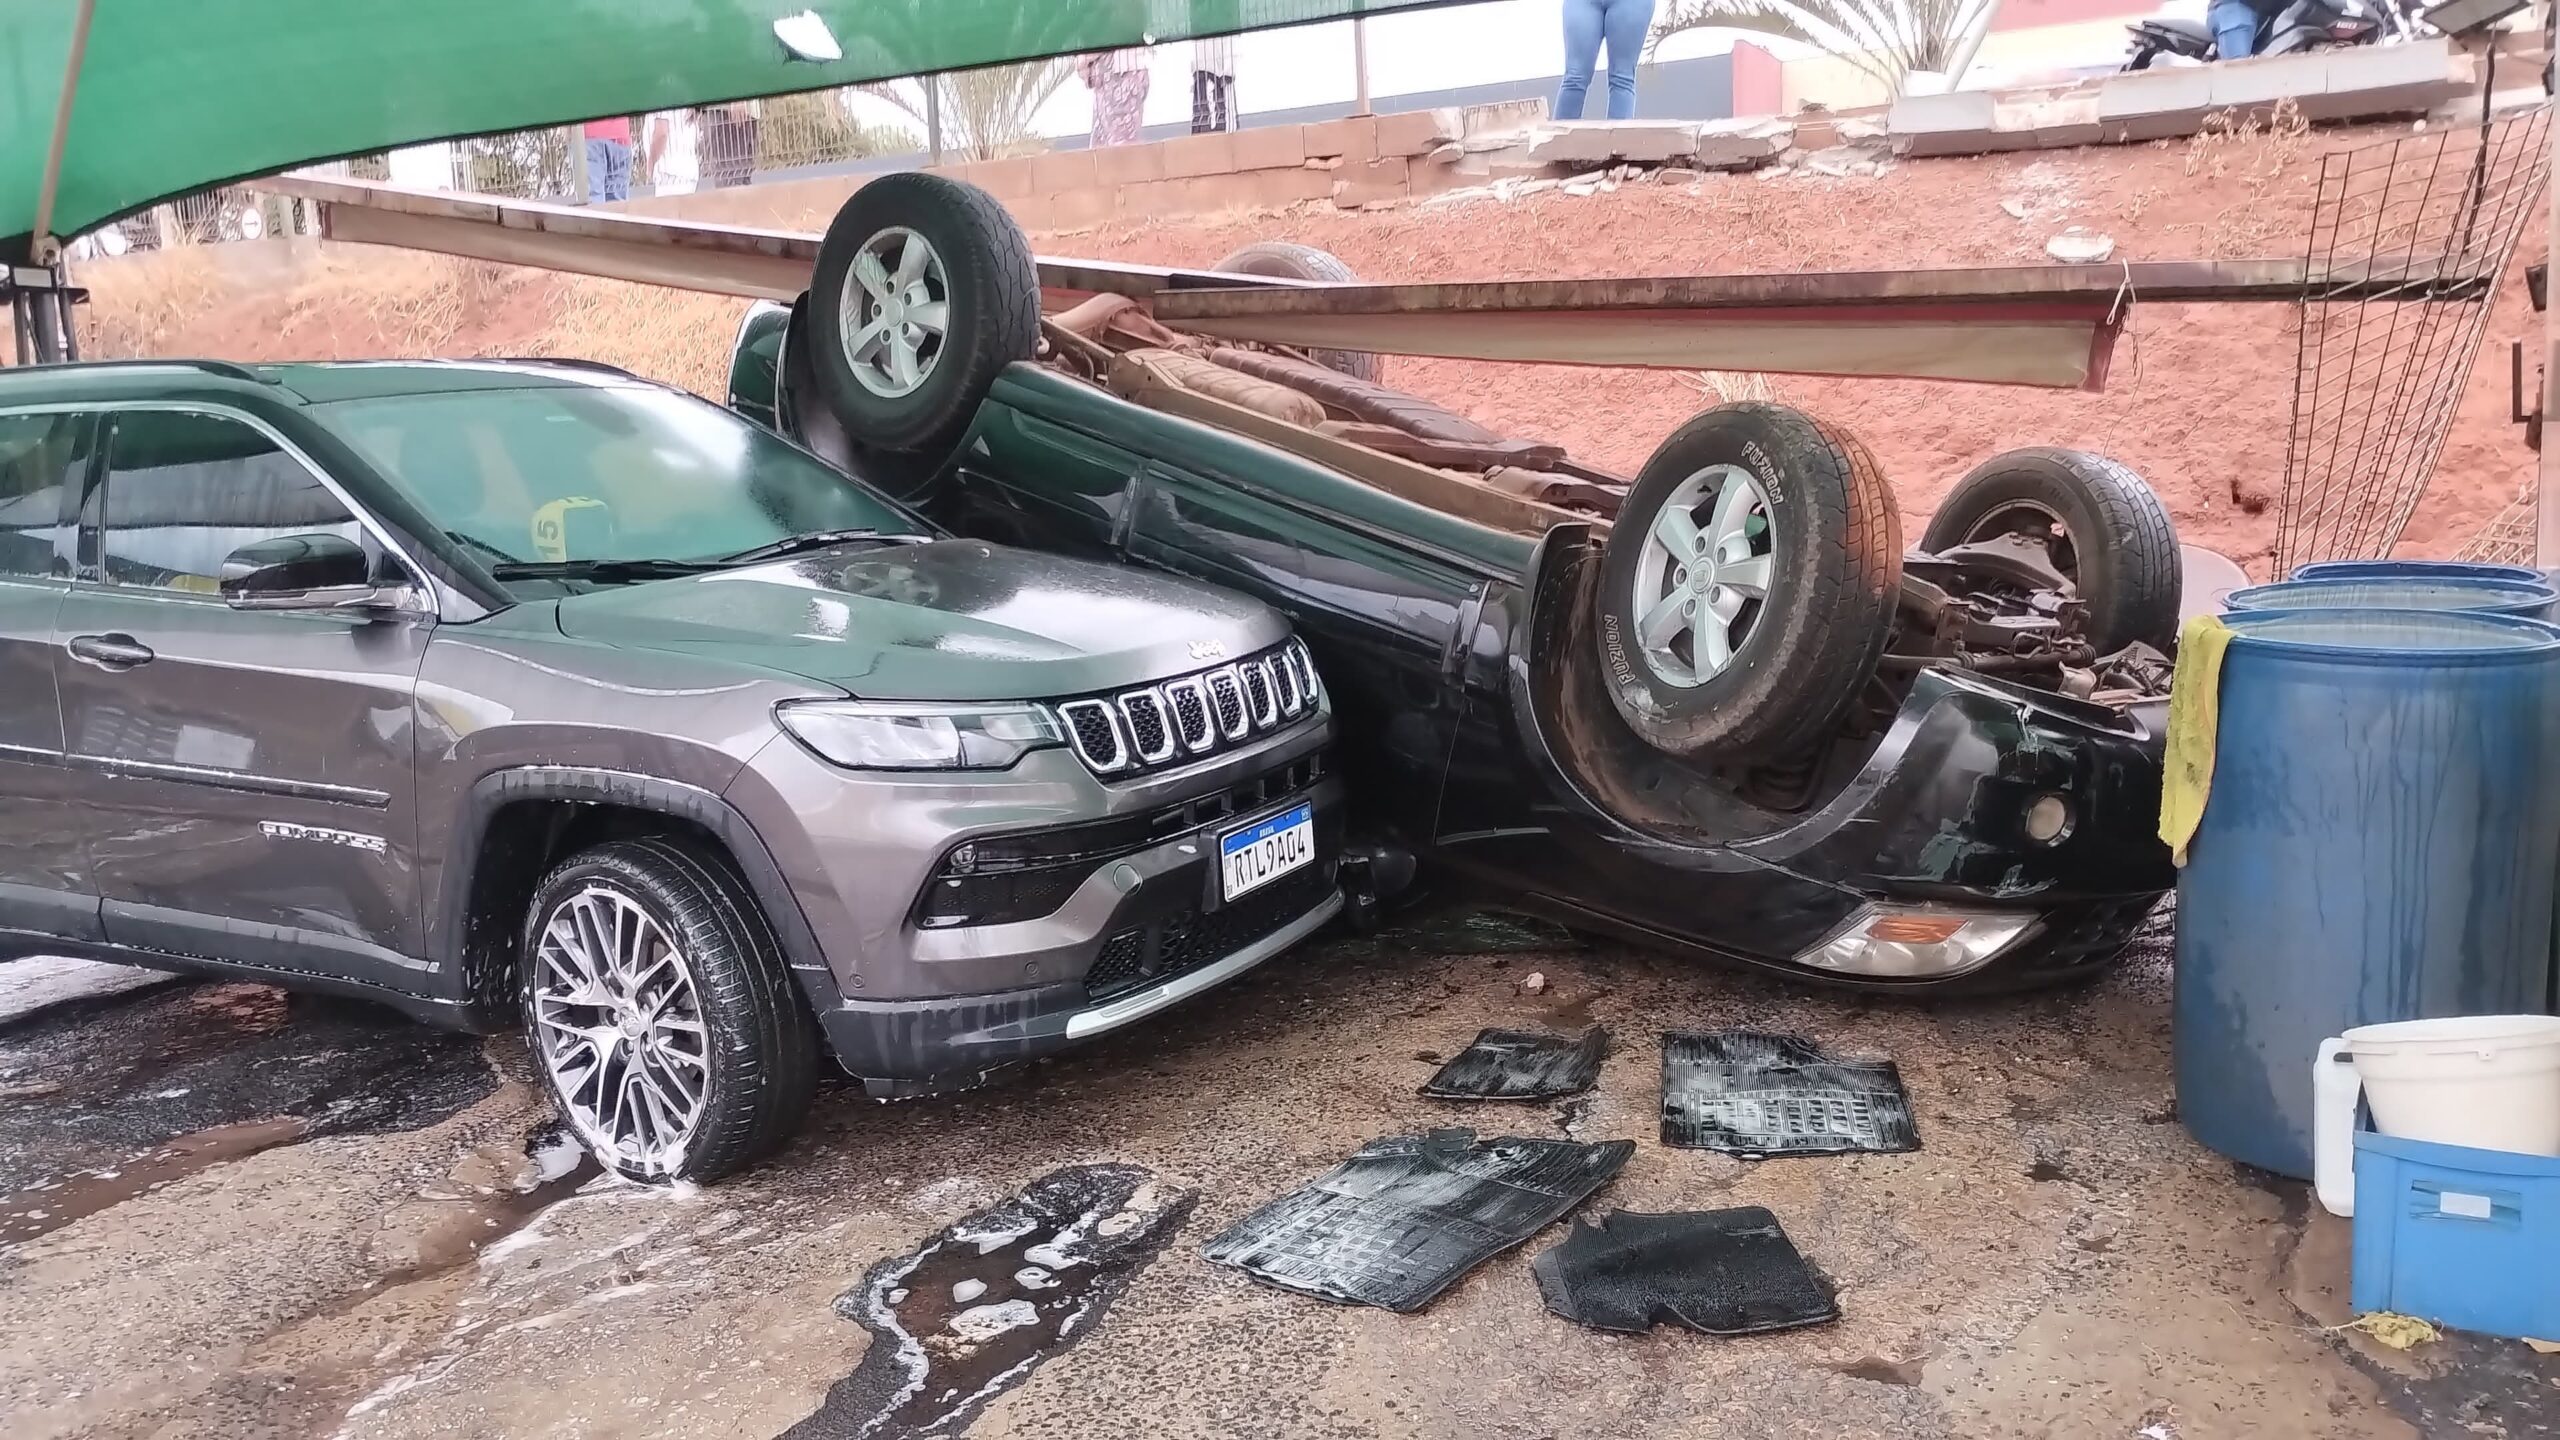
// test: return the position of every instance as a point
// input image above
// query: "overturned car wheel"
(2093, 521)
(1749, 583)
(924, 290)
(1288, 261)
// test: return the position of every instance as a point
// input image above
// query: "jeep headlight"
(886, 735)
(1917, 942)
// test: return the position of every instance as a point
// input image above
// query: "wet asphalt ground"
(229, 1212)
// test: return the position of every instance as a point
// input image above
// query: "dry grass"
(359, 302)
(139, 304)
(1728, 387)
(2257, 149)
(675, 336)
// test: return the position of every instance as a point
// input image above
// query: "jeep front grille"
(1193, 716)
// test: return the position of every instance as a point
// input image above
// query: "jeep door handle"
(112, 651)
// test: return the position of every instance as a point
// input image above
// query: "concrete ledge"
(2357, 84)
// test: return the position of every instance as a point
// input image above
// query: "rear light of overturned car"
(1917, 942)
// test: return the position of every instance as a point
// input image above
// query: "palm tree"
(986, 113)
(1886, 39)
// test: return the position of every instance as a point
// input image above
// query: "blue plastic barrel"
(2414, 570)
(2380, 843)
(2530, 598)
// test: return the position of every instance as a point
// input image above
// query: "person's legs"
(617, 170)
(596, 163)
(2235, 28)
(1624, 25)
(1581, 53)
(1203, 87)
(1223, 90)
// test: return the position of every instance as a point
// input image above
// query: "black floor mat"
(1398, 1222)
(1724, 1272)
(1749, 1093)
(1521, 1065)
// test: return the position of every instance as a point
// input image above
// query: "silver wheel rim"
(1702, 579)
(896, 312)
(620, 1029)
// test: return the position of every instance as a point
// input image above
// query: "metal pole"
(581, 183)
(933, 116)
(1359, 65)
(2546, 494)
(70, 315)
(48, 328)
(40, 242)
(1972, 46)
(18, 324)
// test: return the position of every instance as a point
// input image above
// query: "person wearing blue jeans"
(1587, 25)
(2235, 28)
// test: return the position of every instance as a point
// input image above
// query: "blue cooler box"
(2461, 1237)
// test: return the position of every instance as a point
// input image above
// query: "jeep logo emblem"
(1208, 650)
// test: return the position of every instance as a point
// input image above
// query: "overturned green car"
(1715, 707)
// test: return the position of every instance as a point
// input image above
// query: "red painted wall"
(1759, 81)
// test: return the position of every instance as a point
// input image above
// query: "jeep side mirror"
(308, 572)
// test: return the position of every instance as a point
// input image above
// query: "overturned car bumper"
(1996, 837)
(2026, 821)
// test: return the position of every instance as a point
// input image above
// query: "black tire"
(2114, 539)
(761, 1047)
(992, 294)
(1835, 574)
(1289, 261)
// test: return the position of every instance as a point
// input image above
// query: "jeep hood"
(948, 620)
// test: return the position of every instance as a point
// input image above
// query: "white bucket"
(2491, 1082)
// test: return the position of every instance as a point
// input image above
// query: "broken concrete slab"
(1742, 144)
(2152, 92)
(2157, 104)
(1501, 117)
(1962, 112)
(2266, 79)
(2076, 246)
(1840, 160)
(1580, 142)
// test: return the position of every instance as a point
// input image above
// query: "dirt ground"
(2198, 403)
(380, 1257)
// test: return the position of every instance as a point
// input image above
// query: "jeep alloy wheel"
(620, 1029)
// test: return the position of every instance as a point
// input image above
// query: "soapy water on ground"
(974, 1310)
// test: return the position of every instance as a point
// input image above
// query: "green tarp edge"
(178, 95)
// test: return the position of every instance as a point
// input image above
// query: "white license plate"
(1266, 850)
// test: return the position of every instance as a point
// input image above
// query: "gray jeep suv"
(535, 692)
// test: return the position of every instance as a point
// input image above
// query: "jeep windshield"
(607, 483)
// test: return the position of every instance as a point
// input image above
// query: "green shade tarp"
(178, 95)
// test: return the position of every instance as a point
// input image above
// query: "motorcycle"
(2300, 25)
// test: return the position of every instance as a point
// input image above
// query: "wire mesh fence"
(2508, 538)
(2408, 241)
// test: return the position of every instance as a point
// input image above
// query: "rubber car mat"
(1405, 1216)
(1521, 1065)
(1721, 1272)
(1750, 1093)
